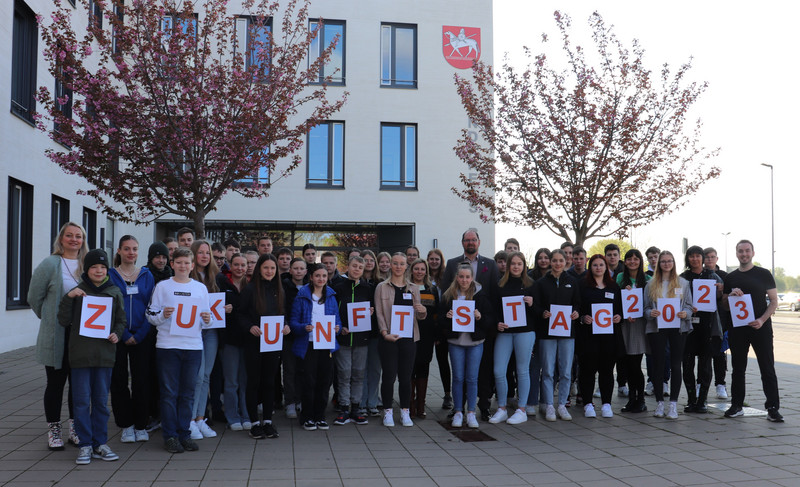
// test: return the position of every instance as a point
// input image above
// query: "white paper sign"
(514, 311)
(742, 312)
(632, 306)
(96, 317)
(704, 294)
(216, 302)
(324, 332)
(602, 319)
(271, 333)
(463, 316)
(560, 321)
(669, 308)
(358, 317)
(186, 320)
(402, 323)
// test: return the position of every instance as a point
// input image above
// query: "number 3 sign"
(741, 310)
(704, 294)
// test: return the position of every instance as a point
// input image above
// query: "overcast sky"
(748, 54)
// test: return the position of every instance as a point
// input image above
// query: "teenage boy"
(264, 245)
(578, 269)
(284, 256)
(720, 358)
(185, 237)
(309, 253)
(615, 265)
(231, 247)
(511, 245)
(652, 260)
(351, 358)
(568, 249)
(328, 259)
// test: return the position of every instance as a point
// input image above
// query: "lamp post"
(725, 234)
(772, 207)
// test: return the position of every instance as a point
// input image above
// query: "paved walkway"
(635, 450)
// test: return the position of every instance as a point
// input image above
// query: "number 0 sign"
(669, 308)
(704, 294)
(741, 310)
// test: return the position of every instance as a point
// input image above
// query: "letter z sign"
(96, 317)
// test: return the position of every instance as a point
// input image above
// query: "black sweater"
(514, 287)
(483, 326)
(549, 291)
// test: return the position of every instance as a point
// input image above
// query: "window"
(261, 178)
(109, 236)
(95, 14)
(23, 61)
(329, 30)
(59, 215)
(177, 23)
(90, 225)
(253, 33)
(399, 55)
(63, 96)
(119, 11)
(20, 243)
(398, 156)
(325, 155)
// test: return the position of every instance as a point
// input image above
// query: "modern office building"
(378, 174)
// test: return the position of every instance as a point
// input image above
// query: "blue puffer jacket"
(301, 316)
(135, 304)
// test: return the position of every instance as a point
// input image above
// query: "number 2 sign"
(632, 303)
(741, 310)
(704, 294)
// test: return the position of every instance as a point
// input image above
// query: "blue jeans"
(233, 369)
(522, 346)
(372, 376)
(210, 344)
(465, 362)
(552, 350)
(177, 377)
(90, 404)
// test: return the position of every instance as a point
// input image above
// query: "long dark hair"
(536, 271)
(607, 280)
(117, 257)
(641, 279)
(310, 273)
(260, 287)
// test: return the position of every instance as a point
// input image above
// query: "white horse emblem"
(457, 42)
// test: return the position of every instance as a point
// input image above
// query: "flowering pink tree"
(175, 108)
(587, 151)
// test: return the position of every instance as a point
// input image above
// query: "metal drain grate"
(467, 435)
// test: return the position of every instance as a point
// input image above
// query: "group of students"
(154, 370)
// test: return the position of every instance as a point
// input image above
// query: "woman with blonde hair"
(52, 279)
(667, 284)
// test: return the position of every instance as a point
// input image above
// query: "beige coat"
(384, 299)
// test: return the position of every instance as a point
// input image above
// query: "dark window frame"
(402, 186)
(330, 184)
(392, 82)
(321, 46)
(19, 253)
(89, 220)
(24, 57)
(59, 215)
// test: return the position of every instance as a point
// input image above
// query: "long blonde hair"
(657, 283)
(58, 249)
(426, 280)
(211, 270)
(452, 291)
(379, 276)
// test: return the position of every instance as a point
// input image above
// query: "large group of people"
(539, 339)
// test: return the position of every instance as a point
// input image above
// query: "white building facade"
(378, 175)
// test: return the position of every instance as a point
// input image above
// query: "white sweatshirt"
(164, 296)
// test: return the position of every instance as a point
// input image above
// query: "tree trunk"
(200, 224)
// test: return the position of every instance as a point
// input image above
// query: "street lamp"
(772, 206)
(725, 234)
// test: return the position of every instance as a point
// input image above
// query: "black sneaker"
(360, 419)
(342, 419)
(270, 431)
(690, 408)
(257, 432)
(734, 412)
(323, 425)
(189, 444)
(447, 403)
(485, 414)
(309, 425)
(172, 445)
(774, 416)
(701, 408)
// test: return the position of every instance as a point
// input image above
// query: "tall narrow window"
(59, 215)
(95, 14)
(23, 61)
(328, 32)
(110, 236)
(63, 94)
(399, 55)
(20, 243)
(260, 177)
(326, 155)
(398, 156)
(252, 41)
(90, 225)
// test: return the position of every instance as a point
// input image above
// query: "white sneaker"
(458, 420)
(588, 411)
(550, 413)
(673, 410)
(596, 393)
(648, 389)
(606, 411)
(659, 413)
(573, 389)
(666, 389)
(623, 391)
(291, 411)
(518, 417)
(563, 413)
(205, 429)
(388, 419)
(195, 431)
(236, 426)
(405, 418)
(472, 421)
(722, 393)
(141, 435)
(498, 417)
(247, 425)
(530, 410)
(128, 435)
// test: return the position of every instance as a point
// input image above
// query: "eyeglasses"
(219, 259)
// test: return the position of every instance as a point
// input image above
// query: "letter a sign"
(560, 321)
(271, 333)
(96, 317)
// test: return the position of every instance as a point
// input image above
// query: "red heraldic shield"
(461, 46)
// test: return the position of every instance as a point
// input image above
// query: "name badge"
(132, 289)
(678, 291)
(609, 295)
(407, 296)
(695, 319)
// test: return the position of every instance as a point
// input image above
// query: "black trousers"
(131, 405)
(698, 344)
(486, 375)
(597, 354)
(260, 388)
(54, 389)
(658, 346)
(741, 339)
(397, 362)
(317, 372)
(443, 359)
